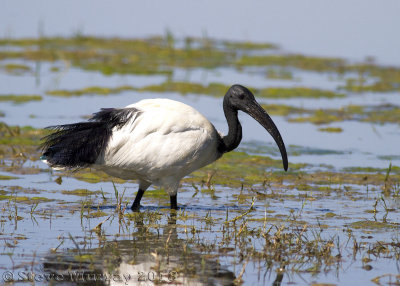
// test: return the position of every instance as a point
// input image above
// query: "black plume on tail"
(79, 145)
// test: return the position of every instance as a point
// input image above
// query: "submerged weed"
(19, 98)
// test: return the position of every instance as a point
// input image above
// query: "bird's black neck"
(232, 140)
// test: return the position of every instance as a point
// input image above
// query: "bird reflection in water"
(146, 259)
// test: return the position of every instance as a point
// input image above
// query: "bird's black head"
(239, 97)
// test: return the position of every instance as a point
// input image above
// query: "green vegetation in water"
(80, 192)
(25, 200)
(330, 215)
(212, 89)
(150, 216)
(331, 129)
(157, 193)
(296, 150)
(297, 61)
(180, 87)
(248, 45)
(2, 177)
(279, 74)
(19, 98)
(386, 113)
(325, 116)
(219, 90)
(93, 90)
(92, 176)
(20, 142)
(377, 114)
(15, 135)
(385, 79)
(96, 214)
(15, 68)
(329, 177)
(160, 55)
(393, 170)
(120, 56)
(295, 92)
(54, 69)
(237, 168)
(367, 224)
(84, 258)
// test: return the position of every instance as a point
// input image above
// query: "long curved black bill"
(259, 114)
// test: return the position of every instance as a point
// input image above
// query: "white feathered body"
(160, 144)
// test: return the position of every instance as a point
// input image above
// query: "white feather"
(162, 143)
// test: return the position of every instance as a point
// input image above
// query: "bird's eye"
(241, 96)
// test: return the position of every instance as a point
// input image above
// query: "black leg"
(174, 204)
(136, 203)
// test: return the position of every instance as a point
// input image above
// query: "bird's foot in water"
(135, 207)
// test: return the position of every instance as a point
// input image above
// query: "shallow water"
(319, 223)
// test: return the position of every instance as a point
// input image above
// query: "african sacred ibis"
(156, 141)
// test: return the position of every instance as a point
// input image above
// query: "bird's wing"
(167, 139)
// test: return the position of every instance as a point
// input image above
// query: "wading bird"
(155, 141)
